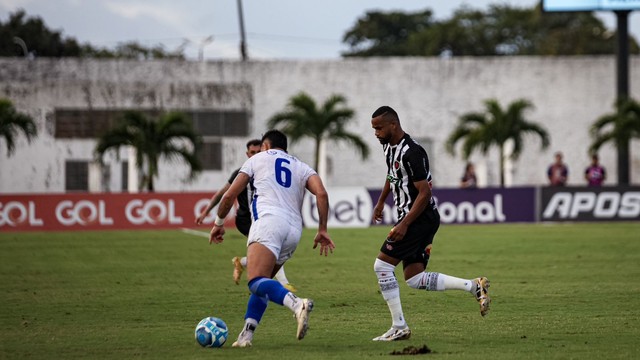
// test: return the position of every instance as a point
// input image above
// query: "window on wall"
(76, 175)
(210, 155)
(213, 125)
(125, 176)
(91, 123)
(221, 123)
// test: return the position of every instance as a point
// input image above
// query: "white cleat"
(241, 344)
(244, 340)
(394, 334)
(302, 316)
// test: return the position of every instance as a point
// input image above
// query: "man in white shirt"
(279, 181)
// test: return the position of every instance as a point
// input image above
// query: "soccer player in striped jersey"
(279, 181)
(409, 241)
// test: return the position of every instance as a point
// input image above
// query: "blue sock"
(271, 289)
(256, 307)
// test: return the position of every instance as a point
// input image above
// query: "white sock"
(250, 326)
(243, 262)
(390, 291)
(395, 307)
(281, 276)
(291, 301)
(433, 281)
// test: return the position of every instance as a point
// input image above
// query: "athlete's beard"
(383, 141)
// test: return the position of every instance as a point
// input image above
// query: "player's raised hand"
(216, 234)
(326, 244)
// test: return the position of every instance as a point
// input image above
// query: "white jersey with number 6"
(279, 181)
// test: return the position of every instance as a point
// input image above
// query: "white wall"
(429, 94)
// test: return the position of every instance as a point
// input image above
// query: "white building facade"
(72, 100)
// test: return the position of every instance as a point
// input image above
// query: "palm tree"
(152, 140)
(496, 126)
(619, 128)
(12, 121)
(302, 118)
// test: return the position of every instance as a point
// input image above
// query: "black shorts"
(414, 247)
(243, 224)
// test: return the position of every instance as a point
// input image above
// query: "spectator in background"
(558, 172)
(469, 180)
(595, 174)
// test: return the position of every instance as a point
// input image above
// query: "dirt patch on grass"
(412, 350)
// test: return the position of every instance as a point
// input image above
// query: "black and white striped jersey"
(407, 162)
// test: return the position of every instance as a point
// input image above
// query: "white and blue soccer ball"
(211, 332)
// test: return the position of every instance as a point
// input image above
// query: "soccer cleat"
(482, 294)
(237, 269)
(302, 316)
(290, 287)
(241, 343)
(244, 339)
(394, 334)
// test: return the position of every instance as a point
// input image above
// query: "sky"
(275, 29)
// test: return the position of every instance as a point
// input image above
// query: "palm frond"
(168, 137)
(353, 140)
(12, 123)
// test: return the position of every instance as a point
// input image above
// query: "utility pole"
(206, 41)
(622, 86)
(243, 43)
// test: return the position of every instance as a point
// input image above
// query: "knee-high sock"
(433, 281)
(274, 291)
(256, 307)
(281, 276)
(390, 291)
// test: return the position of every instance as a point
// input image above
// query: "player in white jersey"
(279, 181)
(243, 218)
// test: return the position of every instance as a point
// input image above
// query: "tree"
(302, 118)
(496, 126)
(385, 34)
(153, 139)
(619, 128)
(500, 30)
(39, 40)
(12, 122)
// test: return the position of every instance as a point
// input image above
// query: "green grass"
(559, 292)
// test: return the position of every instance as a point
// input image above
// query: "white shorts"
(277, 234)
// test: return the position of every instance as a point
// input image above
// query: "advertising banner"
(590, 204)
(350, 207)
(590, 5)
(104, 211)
(353, 207)
(482, 206)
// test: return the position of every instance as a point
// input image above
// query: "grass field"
(559, 292)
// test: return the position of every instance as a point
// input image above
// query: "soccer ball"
(211, 332)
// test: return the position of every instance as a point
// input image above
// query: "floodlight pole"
(243, 42)
(622, 86)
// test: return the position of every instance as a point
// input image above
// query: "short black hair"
(276, 138)
(253, 142)
(387, 113)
